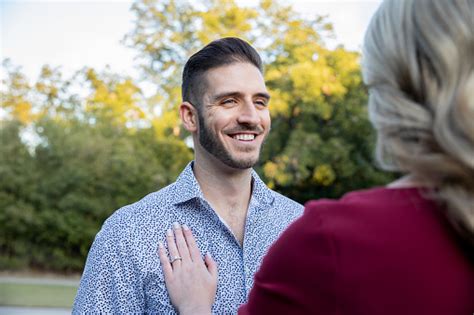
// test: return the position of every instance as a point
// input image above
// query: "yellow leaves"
(324, 175)
(266, 4)
(347, 65)
(312, 79)
(276, 171)
(307, 81)
(344, 59)
(297, 34)
(168, 120)
(49, 90)
(300, 41)
(22, 111)
(270, 169)
(116, 102)
(313, 82)
(225, 19)
(279, 103)
(315, 78)
(126, 92)
(14, 97)
(49, 83)
(272, 74)
(280, 99)
(91, 76)
(173, 94)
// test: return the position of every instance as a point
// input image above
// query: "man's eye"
(261, 103)
(229, 101)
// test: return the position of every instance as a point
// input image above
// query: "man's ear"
(188, 114)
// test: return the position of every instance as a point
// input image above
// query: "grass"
(42, 295)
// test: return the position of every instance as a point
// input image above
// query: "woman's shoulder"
(375, 213)
(373, 197)
(372, 202)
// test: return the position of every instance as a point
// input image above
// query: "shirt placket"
(236, 248)
(248, 248)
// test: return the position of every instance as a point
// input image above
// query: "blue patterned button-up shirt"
(123, 272)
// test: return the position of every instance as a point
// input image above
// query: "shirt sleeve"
(296, 276)
(111, 282)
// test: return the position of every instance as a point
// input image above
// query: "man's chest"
(235, 279)
(237, 261)
(235, 222)
(236, 268)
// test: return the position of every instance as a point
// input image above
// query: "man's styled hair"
(221, 52)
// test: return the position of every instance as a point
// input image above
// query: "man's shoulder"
(155, 205)
(284, 208)
(279, 202)
(283, 201)
(123, 253)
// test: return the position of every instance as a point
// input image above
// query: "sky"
(74, 34)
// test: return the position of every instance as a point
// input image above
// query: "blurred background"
(89, 121)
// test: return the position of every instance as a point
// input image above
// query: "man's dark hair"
(221, 52)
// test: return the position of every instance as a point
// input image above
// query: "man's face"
(234, 119)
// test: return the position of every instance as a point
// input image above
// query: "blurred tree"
(18, 177)
(75, 149)
(84, 151)
(321, 143)
(15, 94)
(89, 171)
(113, 100)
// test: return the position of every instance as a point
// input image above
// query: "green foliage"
(321, 140)
(75, 149)
(77, 167)
(321, 144)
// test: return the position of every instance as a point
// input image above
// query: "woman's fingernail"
(185, 227)
(160, 245)
(176, 225)
(169, 232)
(208, 255)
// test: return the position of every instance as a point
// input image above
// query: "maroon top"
(378, 251)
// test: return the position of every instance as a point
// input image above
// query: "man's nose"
(248, 114)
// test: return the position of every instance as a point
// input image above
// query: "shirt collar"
(187, 187)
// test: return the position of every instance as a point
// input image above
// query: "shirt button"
(247, 270)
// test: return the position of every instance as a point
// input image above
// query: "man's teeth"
(245, 137)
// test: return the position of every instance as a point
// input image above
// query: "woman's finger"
(175, 259)
(165, 262)
(181, 242)
(192, 246)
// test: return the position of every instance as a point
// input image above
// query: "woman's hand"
(190, 280)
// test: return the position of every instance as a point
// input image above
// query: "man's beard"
(209, 141)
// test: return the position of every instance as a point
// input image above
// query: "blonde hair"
(418, 63)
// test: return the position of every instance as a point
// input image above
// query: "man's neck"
(227, 190)
(223, 186)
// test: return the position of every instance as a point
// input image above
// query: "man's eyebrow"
(225, 94)
(263, 95)
(238, 94)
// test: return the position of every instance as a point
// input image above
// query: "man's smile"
(244, 136)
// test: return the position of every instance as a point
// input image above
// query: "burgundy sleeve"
(297, 274)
